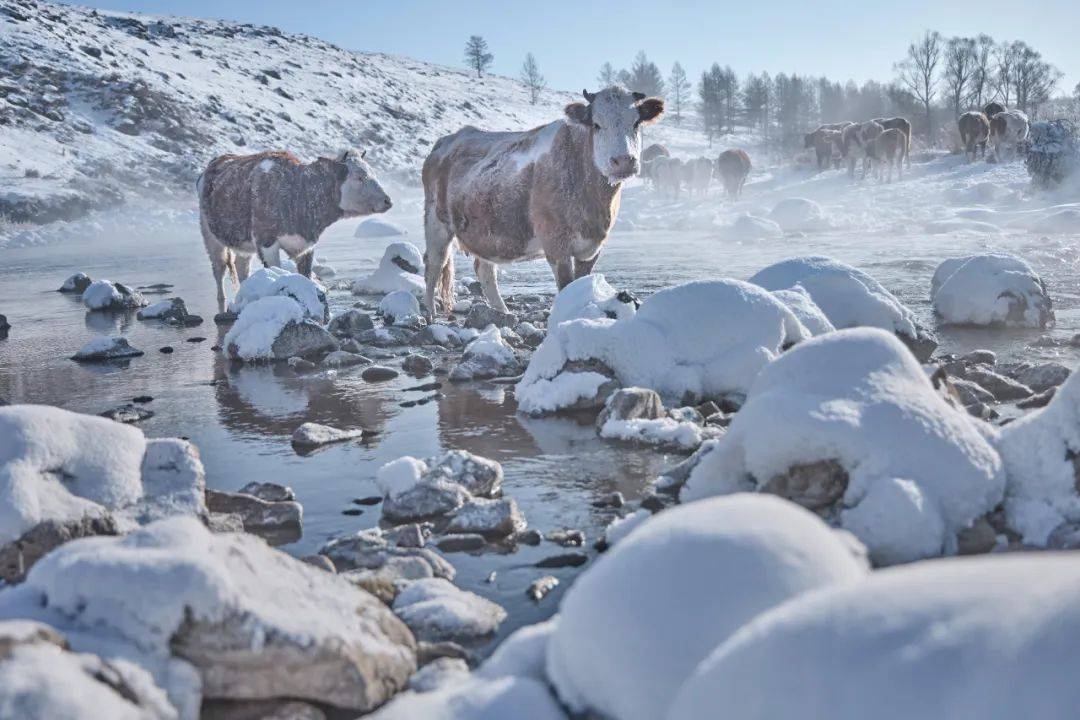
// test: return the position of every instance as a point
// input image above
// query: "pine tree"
(531, 77)
(607, 76)
(476, 54)
(678, 91)
(644, 76)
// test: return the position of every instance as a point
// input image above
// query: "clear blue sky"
(839, 38)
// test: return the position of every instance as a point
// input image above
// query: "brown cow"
(888, 149)
(697, 172)
(824, 139)
(974, 132)
(654, 151)
(857, 143)
(993, 108)
(270, 201)
(733, 166)
(550, 192)
(903, 126)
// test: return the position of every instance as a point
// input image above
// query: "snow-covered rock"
(697, 340)
(401, 268)
(278, 282)
(620, 527)
(254, 622)
(522, 654)
(445, 335)
(799, 214)
(476, 699)
(1041, 452)
(800, 303)
(635, 625)
(986, 638)
(590, 297)
(106, 348)
(849, 425)
(848, 296)
(399, 307)
(436, 610)
(486, 356)
(350, 323)
(747, 228)
(498, 517)
(77, 283)
(173, 312)
(414, 489)
(438, 673)
(993, 290)
(110, 296)
(376, 227)
(275, 328)
(1053, 152)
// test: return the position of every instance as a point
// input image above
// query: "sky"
(841, 39)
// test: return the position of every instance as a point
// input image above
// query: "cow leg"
(487, 273)
(304, 263)
(563, 269)
(269, 254)
(219, 263)
(438, 265)
(242, 263)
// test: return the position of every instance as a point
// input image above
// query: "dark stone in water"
(530, 537)
(429, 398)
(567, 538)
(653, 503)
(215, 348)
(196, 339)
(370, 500)
(378, 373)
(352, 511)
(225, 318)
(167, 349)
(142, 399)
(565, 560)
(128, 414)
(425, 387)
(464, 542)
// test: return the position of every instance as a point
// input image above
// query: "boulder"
(481, 315)
(350, 323)
(490, 518)
(279, 522)
(632, 404)
(340, 359)
(1044, 376)
(106, 348)
(275, 328)
(436, 610)
(990, 290)
(111, 297)
(76, 284)
(371, 550)
(312, 435)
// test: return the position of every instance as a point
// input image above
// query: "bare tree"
(607, 76)
(1006, 56)
(531, 77)
(678, 91)
(982, 76)
(476, 54)
(1034, 79)
(918, 73)
(959, 71)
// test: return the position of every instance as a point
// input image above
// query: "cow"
(1008, 129)
(733, 166)
(697, 173)
(824, 139)
(550, 192)
(652, 152)
(667, 175)
(888, 149)
(904, 126)
(270, 201)
(857, 143)
(974, 132)
(993, 108)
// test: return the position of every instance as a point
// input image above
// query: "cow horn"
(639, 96)
(588, 95)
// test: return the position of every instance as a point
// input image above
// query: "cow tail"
(445, 289)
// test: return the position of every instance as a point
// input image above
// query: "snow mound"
(996, 290)
(106, 348)
(849, 421)
(987, 638)
(795, 214)
(476, 699)
(399, 307)
(848, 296)
(961, 225)
(378, 227)
(486, 356)
(805, 309)
(523, 654)
(746, 228)
(1065, 221)
(401, 268)
(1040, 452)
(278, 282)
(590, 297)
(699, 340)
(253, 334)
(107, 295)
(635, 625)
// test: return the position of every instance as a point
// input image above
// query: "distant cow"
(270, 201)
(888, 149)
(697, 173)
(1008, 129)
(992, 108)
(904, 126)
(733, 166)
(857, 144)
(974, 132)
(550, 192)
(667, 176)
(654, 151)
(824, 140)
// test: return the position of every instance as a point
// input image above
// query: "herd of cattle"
(878, 143)
(1003, 129)
(669, 175)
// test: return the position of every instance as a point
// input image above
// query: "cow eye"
(595, 126)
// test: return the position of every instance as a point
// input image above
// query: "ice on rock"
(994, 290)
(254, 622)
(486, 356)
(375, 227)
(637, 623)
(987, 637)
(847, 296)
(851, 420)
(698, 340)
(436, 610)
(1041, 452)
(275, 328)
(399, 307)
(401, 268)
(477, 699)
(278, 282)
(590, 297)
(799, 214)
(107, 295)
(106, 348)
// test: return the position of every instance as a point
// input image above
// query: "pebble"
(369, 500)
(561, 561)
(167, 349)
(461, 542)
(378, 373)
(352, 512)
(425, 387)
(196, 339)
(539, 588)
(128, 414)
(491, 577)
(530, 537)
(142, 399)
(567, 538)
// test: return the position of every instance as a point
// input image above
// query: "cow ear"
(650, 110)
(638, 96)
(579, 113)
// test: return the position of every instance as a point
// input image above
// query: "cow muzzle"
(624, 166)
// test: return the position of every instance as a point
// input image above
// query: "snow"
(278, 282)
(990, 638)
(437, 610)
(805, 309)
(522, 654)
(588, 297)
(544, 395)
(399, 307)
(476, 699)
(848, 296)
(637, 622)
(919, 471)
(799, 214)
(401, 268)
(399, 476)
(378, 227)
(746, 228)
(107, 348)
(1001, 290)
(155, 310)
(658, 431)
(312, 434)
(620, 527)
(1037, 450)
(490, 344)
(101, 295)
(700, 339)
(254, 332)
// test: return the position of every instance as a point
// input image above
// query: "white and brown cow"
(269, 202)
(904, 126)
(697, 172)
(974, 129)
(1008, 129)
(825, 140)
(857, 142)
(888, 150)
(550, 192)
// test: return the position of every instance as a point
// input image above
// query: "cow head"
(361, 193)
(614, 117)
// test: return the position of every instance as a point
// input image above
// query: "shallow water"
(242, 418)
